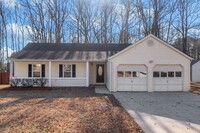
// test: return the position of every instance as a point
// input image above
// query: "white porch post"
(49, 73)
(87, 74)
(11, 69)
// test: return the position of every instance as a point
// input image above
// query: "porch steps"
(195, 87)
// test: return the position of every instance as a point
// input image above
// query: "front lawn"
(63, 110)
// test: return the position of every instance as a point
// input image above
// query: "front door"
(100, 73)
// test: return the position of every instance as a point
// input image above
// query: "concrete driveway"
(163, 112)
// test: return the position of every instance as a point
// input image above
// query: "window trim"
(67, 71)
(71, 71)
(175, 74)
(169, 74)
(120, 76)
(127, 72)
(39, 69)
(159, 74)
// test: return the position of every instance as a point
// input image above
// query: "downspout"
(110, 75)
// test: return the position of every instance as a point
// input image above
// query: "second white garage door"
(132, 78)
(168, 78)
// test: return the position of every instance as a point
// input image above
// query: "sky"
(11, 4)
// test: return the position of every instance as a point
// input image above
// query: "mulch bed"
(26, 88)
(74, 112)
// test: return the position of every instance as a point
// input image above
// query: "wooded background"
(98, 21)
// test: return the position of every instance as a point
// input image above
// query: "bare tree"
(187, 19)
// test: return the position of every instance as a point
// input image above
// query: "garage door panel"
(137, 81)
(120, 80)
(175, 81)
(139, 88)
(171, 81)
(127, 81)
(160, 81)
(124, 87)
(160, 88)
(174, 88)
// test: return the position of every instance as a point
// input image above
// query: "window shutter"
(43, 70)
(29, 70)
(73, 70)
(60, 70)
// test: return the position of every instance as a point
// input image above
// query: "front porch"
(60, 73)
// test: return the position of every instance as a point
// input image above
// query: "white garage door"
(168, 78)
(132, 78)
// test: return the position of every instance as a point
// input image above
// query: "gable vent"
(150, 43)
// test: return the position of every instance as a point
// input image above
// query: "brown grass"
(63, 111)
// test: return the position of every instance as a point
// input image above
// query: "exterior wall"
(196, 72)
(150, 55)
(21, 71)
(80, 68)
(92, 71)
(108, 82)
(80, 79)
(21, 68)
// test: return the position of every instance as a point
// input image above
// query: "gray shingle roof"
(68, 51)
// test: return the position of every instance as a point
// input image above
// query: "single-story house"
(196, 71)
(148, 65)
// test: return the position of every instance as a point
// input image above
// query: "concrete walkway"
(102, 90)
(163, 112)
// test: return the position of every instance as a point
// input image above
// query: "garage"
(149, 65)
(132, 78)
(168, 78)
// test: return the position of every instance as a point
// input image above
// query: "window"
(120, 74)
(143, 74)
(156, 74)
(127, 74)
(67, 70)
(36, 70)
(134, 74)
(170, 74)
(163, 74)
(178, 74)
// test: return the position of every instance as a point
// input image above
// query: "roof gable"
(155, 38)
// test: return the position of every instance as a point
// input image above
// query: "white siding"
(108, 75)
(196, 72)
(21, 71)
(21, 68)
(150, 55)
(80, 68)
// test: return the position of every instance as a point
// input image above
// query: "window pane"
(156, 74)
(170, 74)
(178, 74)
(120, 74)
(36, 70)
(36, 74)
(143, 74)
(128, 74)
(67, 68)
(134, 74)
(163, 74)
(67, 74)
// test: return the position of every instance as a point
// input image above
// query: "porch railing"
(55, 81)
